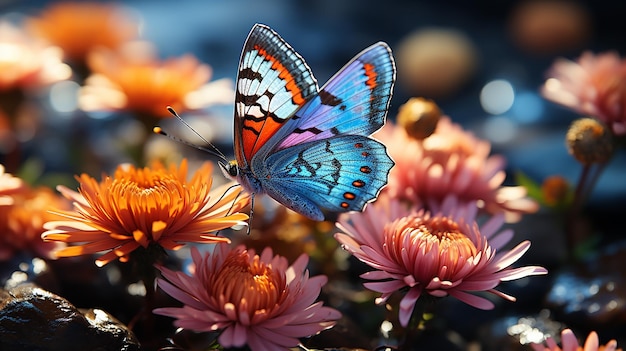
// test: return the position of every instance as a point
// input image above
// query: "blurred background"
(483, 62)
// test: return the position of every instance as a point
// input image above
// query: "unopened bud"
(419, 117)
(555, 190)
(589, 141)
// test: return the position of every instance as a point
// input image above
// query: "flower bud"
(555, 190)
(589, 141)
(419, 117)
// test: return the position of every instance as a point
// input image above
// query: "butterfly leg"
(232, 205)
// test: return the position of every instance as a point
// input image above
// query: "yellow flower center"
(249, 284)
(440, 241)
(444, 234)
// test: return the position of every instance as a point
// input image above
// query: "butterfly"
(309, 148)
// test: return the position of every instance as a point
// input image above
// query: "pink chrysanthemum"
(256, 300)
(451, 161)
(594, 85)
(570, 343)
(443, 253)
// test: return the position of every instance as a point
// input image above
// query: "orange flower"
(555, 191)
(9, 184)
(138, 82)
(26, 62)
(143, 207)
(78, 27)
(21, 222)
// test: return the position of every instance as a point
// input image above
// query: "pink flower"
(569, 343)
(440, 253)
(451, 161)
(256, 300)
(594, 85)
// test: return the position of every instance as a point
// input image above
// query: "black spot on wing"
(254, 131)
(327, 147)
(250, 100)
(329, 99)
(249, 73)
(313, 130)
(301, 163)
(337, 172)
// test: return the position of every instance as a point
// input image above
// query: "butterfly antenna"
(211, 149)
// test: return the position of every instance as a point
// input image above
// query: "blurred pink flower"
(440, 253)
(26, 62)
(594, 85)
(451, 161)
(570, 343)
(256, 300)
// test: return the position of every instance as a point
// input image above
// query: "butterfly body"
(309, 148)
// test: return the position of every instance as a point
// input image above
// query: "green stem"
(143, 264)
(417, 323)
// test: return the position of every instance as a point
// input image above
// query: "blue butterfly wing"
(337, 174)
(354, 101)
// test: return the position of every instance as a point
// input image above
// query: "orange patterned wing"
(273, 82)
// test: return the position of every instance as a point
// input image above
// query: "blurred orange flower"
(78, 27)
(26, 62)
(133, 79)
(145, 207)
(21, 222)
(9, 184)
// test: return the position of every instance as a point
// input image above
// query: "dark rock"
(34, 319)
